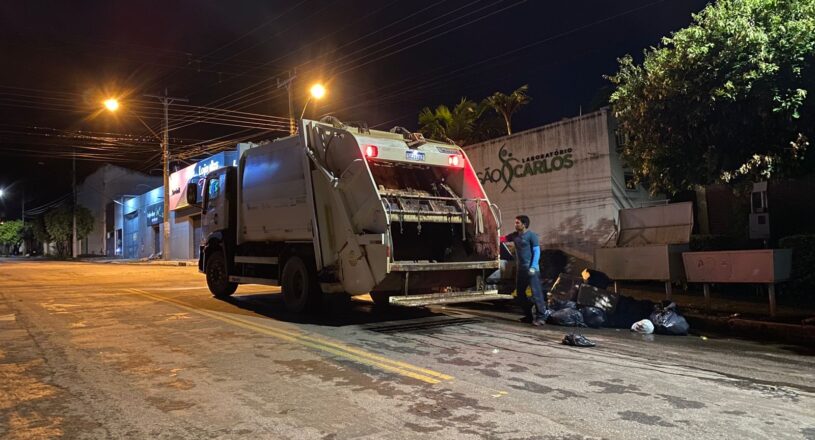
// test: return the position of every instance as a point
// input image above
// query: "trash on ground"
(643, 326)
(567, 317)
(577, 340)
(668, 321)
(596, 297)
(594, 317)
(556, 304)
(629, 311)
(565, 288)
(596, 278)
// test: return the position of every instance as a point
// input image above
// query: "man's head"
(521, 223)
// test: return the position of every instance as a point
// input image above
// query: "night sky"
(382, 62)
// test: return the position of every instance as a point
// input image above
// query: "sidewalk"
(738, 318)
(193, 263)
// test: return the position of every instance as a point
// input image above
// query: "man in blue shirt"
(527, 262)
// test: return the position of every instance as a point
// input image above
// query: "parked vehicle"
(344, 209)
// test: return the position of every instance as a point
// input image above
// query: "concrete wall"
(181, 238)
(100, 188)
(565, 176)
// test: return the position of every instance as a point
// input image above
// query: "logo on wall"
(154, 213)
(512, 167)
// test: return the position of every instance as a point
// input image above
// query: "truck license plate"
(414, 155)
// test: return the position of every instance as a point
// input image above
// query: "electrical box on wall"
(759, 212)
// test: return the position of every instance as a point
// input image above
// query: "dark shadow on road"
(336, 311)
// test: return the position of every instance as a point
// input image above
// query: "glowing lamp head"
(1, 193)
(112, 104)
(317, 91)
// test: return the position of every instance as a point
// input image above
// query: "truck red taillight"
(455, 160)
(370, 150)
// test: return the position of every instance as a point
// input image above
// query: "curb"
(173, 263)
(802, 335)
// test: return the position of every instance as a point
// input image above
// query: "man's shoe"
(538, 322)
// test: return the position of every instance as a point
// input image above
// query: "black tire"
(381, 299)
(301, 290)
(218, 276)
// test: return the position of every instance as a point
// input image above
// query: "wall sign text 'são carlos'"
(512, 167)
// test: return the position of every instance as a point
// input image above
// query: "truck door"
(217, 204)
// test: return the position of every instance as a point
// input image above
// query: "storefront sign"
(154, 213)
(180, 179)
(512, 168)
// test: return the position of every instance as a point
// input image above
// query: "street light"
(317, 91)
(112, 104)
(1, 193)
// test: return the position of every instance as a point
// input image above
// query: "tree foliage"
(59, 226)
(468, 122)
(507, 105)
(729, 97)
(11, 233)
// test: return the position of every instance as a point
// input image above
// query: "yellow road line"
(342, 350)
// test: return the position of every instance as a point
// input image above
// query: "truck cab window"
(213, 191)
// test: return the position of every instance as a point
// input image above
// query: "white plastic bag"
(643, 326)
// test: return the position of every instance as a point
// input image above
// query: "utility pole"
(24, 248)
(287, 84)
(165, 168)
(73, 207)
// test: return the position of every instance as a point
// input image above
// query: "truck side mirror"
(192, 194)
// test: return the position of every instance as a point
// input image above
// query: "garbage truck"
(342, 209)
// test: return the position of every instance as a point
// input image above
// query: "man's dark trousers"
(523, 280)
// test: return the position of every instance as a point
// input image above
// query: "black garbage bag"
(593, 317)
(567, 317)
(629, 311)
(557, 304)
(668, 321)
(577, 341)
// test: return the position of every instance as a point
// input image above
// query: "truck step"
(446, 298)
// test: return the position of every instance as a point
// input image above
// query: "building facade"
(128, 222)
(567, 177)
(99, 192)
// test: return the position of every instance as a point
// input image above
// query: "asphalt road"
(125, 351)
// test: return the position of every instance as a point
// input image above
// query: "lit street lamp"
(317, 91)
(112, 104)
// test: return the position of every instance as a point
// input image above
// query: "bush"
(802, 277)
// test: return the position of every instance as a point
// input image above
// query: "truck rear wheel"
(218, 277)
(301, 291)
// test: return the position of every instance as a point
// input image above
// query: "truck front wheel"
(301, 290)
(218, 277)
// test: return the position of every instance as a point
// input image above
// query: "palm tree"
(454, 125)
(506, 105)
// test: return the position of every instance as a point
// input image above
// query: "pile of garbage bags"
(665, 320)
(585, 302)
